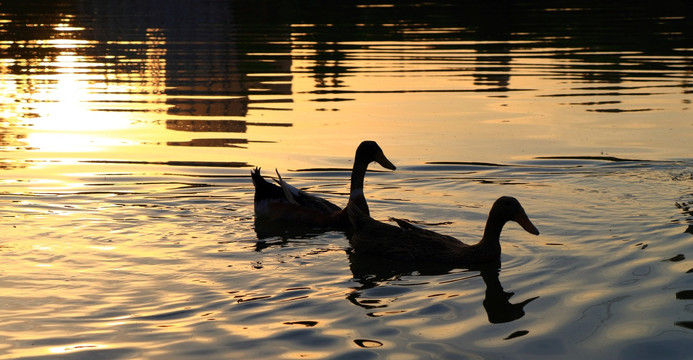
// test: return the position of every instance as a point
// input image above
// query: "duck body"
(282, 202)
(272, 203)
(409, 243)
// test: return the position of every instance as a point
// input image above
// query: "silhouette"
(285, 203)
(370, 271)
(413, 244)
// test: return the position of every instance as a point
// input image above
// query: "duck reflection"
(371, 271)
(686, 204)
(279, 232)
(274, 232)
(497, 301)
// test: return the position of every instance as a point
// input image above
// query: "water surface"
(129, 129)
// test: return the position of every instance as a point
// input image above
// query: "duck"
(414, 245)
(282, 202)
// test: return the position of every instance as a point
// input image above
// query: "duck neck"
(358, 173)
(491, 238)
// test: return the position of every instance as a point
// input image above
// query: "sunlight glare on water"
(129, 128)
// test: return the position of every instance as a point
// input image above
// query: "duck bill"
(523, 220)
(384, 162)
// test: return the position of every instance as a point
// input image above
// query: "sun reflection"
(63, 110)
(62, 100)
(76, 347)
(77, 105)
(64, 106)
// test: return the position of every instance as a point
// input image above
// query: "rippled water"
(129, 129)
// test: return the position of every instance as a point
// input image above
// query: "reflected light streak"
(70, 101)
(77, 347)
(65, 106)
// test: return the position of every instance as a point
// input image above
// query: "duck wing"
(305, 200)
(413, 231)
(370, 235)
(406, 225)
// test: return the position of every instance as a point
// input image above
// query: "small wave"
(592, 158)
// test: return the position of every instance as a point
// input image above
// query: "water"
(129, 129)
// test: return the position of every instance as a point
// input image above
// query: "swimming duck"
(286, 203)
(412, 244)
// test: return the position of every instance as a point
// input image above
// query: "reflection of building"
(219, 60)
(193, 53)
(493, 69)
(237, 126)
(216, 126)
(219, 126)
(207, 142)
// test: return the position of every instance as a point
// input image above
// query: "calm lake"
(128, 130)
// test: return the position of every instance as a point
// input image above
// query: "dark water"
(128, 130)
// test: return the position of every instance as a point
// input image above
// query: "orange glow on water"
(127, 134)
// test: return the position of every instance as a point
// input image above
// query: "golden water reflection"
(106, 106)
(252, 86)
(72, 96)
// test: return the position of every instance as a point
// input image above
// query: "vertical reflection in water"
(96, 66)
(134, 63)
(209, 72)
(371, 272)
(493, 59)
(47, 78)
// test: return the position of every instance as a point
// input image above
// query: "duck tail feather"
(257, 177)
(287, 189)
(264, 189)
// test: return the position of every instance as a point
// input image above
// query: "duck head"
(507, 208)
(369, 151)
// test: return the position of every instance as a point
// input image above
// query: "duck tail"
(263, 188)
(257, 178)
